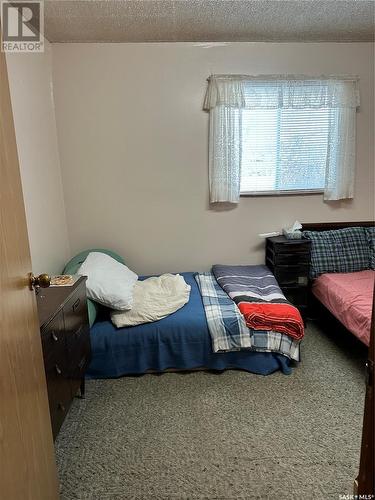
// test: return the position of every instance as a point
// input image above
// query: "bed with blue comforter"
(180, 341)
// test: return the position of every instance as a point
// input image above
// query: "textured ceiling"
(208, 20)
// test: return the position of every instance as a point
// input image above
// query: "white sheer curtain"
(225, 154)
(227, 95)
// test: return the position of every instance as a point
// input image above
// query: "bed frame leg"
(82, 388)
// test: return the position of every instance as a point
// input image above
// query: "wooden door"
(27, 462)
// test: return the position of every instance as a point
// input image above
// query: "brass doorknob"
(43, 281)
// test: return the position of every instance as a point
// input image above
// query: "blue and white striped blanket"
(228, 328)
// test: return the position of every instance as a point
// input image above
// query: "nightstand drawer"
(296, 295)
(288, 258)
(75, 313)
(291, 275)
(53, 341)
(59, 398)
(78, 346)
(76, 338)
(79, 365)
(291, 246)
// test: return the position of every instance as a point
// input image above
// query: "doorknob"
(43, 281)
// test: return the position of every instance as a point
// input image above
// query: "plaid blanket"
(258, 296)
(228, 328)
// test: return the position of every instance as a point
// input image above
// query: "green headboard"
(75, 263)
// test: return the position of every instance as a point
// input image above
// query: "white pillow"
(108, 282)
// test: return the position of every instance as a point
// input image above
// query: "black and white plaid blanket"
(228, 328)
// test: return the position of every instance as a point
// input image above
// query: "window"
(284, 150)
(281, 134)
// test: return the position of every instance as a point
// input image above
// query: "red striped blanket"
(258, 296)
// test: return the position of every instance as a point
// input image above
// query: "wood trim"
(326, 226)
(366, 482)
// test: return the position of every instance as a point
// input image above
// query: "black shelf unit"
(289, 261)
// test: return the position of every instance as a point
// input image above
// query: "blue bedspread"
(181, 341)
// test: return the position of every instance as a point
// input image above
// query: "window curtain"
(227, 95)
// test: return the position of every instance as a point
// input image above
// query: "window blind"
(284, 149)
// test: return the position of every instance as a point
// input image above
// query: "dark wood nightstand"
(289, 260)
(65, 332)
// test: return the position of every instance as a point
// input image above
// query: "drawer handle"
(76, 304)
(61, 407)
(54, 336)
(58, 370)
(82, 363)
(77, 333)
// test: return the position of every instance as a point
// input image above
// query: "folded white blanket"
(153, 299)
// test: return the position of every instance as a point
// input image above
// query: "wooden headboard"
(325, 226)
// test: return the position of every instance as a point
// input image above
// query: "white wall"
(30, 82)
(133, 145)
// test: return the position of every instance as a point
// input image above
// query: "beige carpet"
(221, 436)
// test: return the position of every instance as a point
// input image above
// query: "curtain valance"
(276, 92)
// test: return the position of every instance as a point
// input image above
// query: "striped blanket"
(228, 328)
(258, 296)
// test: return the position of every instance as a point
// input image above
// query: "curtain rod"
(350, 78)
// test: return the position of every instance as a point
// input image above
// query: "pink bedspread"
(349, 297)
